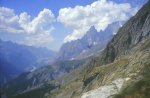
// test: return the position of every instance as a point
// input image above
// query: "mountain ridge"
(16, 59)
(90, 44)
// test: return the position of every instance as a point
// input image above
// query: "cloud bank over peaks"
(99, 14)
(37, 30)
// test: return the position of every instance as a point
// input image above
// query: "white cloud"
(41, 23)
(100, 14)
(9, 21)
(37, 30)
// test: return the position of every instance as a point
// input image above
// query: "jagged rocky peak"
(91, 32)
(92, 42)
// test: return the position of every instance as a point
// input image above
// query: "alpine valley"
(113, 63)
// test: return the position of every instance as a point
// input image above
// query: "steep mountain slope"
(126, 60)
(15, 59)
(123, 65)
(90, 44)
(133, 32)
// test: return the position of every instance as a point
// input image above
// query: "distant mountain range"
(15, 59)
(91, 43)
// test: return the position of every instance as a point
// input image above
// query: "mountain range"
(91, 43)
(120, 70)
(15, 59)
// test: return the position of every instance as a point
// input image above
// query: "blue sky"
(34, 6)
(58, 24)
